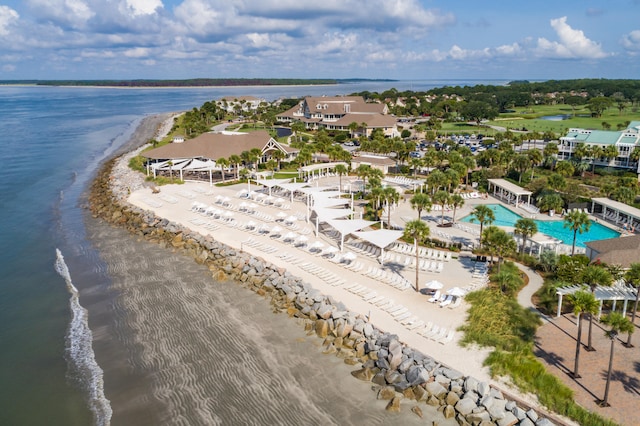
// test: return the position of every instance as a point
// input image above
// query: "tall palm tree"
(583, 302)
(391, 196)
(577, 221)
(535, 158)
(442, 198)
(363, 171)
(595, 152)
(418, 230)
(526, 228)
(341, 169)
(420, 202)
(222, 162)
(632, 277)
(617, 324)
(499, 243)
(482, 214)
(278, 156)
(594, 276)
(456, 202)
(235, 159)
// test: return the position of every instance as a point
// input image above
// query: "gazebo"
(509, 192)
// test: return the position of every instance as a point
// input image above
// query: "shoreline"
(232, 263)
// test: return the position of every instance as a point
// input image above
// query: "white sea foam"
(79, 351)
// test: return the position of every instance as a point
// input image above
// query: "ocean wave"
(79, 352)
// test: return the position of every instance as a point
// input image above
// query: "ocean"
(99, 328)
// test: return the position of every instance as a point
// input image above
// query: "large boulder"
(436, 389)
(466, 406)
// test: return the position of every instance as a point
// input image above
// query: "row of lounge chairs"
(429, 253)
(445, 300)
(470, 195)
(388, 277)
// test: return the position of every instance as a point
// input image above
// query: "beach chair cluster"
(267, 248)
(530, 208)
(467, 229)
(402, 180)
(365, 249)
(445, 300)
(425, 252)
(470, 195)
(388, 277)
(324, 274)
(152, 203)
(436, 333)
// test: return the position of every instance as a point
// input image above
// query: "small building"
(374, 161)
(621, 251)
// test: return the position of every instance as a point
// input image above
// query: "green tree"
(549, 201)
(420, 202)
(456, 201)
(236, 160)
(526, 228)
(418, 231)
(632, 277)
(509, 280)
(478, 111)
(582, 302)
(599, 104)
(565, 168)
(341, 169)
(442, 198)
(222, 162)
(594, 276)
(482, 214)
(549, 152)
(617, 324)
(498, 242)
(577, 221)
(391, 196)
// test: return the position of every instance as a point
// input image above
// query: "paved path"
(527, 292)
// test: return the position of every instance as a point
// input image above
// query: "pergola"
(508, 191)
(616, 211)
(616, 292)
(310, 170)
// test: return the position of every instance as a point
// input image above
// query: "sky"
(394, 39)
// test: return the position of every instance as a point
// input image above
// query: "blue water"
(53, 139)
(555, 228)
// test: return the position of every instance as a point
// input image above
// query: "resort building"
(201, 153)
(240, 103)
(340, 112)
(624, 142)
(615, 251)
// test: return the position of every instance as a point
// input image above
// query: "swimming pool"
(554, 228)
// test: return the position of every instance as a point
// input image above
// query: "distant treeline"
(196, 82)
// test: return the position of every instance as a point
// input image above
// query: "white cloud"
(631, 41)
(144, 7)
(8, 17)
(572, 43)
(137, 52)
(66, 13)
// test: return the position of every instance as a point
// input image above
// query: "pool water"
(555, 228)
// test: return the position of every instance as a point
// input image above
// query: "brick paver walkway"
(556, 345)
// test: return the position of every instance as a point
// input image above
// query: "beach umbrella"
(264, 229)
(456, 291)
(316, 246)
(291, 219)
(434, 285)
(243, 205)
(281, 215)
(290, 236)
(329, 250)
(252, 207)
(276, 230)
(218, 198)
(225, 200)
(350, 256)
(270, 199)
(228, 214)
(278, 202)
(250, 225)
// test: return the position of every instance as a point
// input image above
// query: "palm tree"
(610, 152)
(499, 242)
(456, 201)
(593, 276)
(549, 152)
(420, 202)
(341, 169)
(577, 221)
(418, 230)
(565, 168)
(535, 158)
(363, 171)
(632, 277)
(391, 196)
(583, 302)
(236, 160)
(222, 162)
(442, 198)
(509, 280)
(526, 228)
(278, 156)
(482, 214)
(595, 152)
(617, 324)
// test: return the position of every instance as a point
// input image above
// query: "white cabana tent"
(197, 165)
(618, 291)
(325, 214)
(293, 187)
(270, 183)
(380, 238)
(346, 227)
